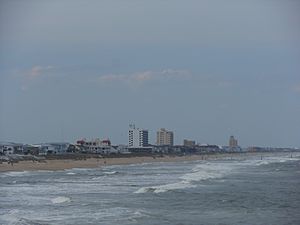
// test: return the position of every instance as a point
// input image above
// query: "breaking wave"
(212, 170)
(198, 173)
(165, 187)
(71, 173)
(60, 199)
(111, 172)
(16, 173)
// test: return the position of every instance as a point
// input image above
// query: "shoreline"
(63, 164)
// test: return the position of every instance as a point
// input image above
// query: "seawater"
(242, 190)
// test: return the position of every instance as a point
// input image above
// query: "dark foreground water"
(222, 191)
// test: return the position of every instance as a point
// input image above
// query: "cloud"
(37, 71)
(145, 76)
(33, 75)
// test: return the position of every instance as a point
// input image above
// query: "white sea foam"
(17, 174)
(268, 160)
(165, 187)
(60, 199)
(80, 169)
(110, 172)
(200, 172)
(208, 171)
(138, 214)
(71, 173)
(262, 163)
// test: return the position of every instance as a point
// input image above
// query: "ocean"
(230, 190)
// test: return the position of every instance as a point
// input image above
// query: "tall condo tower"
(137, 138)
(164, 137)
(233, 142)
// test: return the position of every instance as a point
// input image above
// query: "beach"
(62, 164)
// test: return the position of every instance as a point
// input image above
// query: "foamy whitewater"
(232, 190)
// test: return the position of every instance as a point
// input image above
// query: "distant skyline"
(203, 69)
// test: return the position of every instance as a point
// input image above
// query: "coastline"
(63, 164)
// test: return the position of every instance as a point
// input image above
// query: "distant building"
(31, 149)
(206, 148)
(8, 148)
(122, 149)
(164, 137)
(137, 138)
(97, 146)
(233, 142)
(53, 148)
(189, 143)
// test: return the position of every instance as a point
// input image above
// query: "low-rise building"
(53, 148)
(97, 146)
(189, 143)
(8, 148)
(207, 148)
(31, 149)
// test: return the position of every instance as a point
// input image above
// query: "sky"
(205, 69)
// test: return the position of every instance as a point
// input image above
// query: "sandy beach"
(62, 164)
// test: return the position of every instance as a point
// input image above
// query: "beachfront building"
(31, 149)
(122, 149)
(164, 137)
(207, 148)
(233, 143)
(8, 148)
(53, 148)
(97, 146)
(188, 143)
(137, 138)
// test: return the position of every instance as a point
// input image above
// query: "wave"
(165, 187)
(262, 163)
(137, 215)
(110, 172)
(80, 169)
(16, 173)
(269, 160)
(15, 217)
(24, 221)
(60, 199)
(201, 172)
(71, 173)
(208, 171)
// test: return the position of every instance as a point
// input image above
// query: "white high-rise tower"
(137, 138)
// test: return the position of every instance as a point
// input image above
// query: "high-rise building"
(233, 142)
(137, 138)
(164, 137)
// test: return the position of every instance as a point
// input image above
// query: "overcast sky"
(204, 69)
